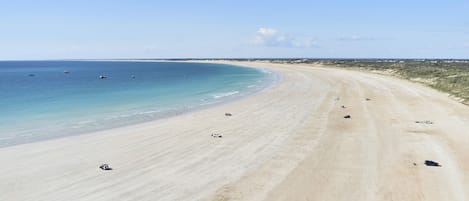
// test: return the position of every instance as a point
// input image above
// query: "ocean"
(41, 100)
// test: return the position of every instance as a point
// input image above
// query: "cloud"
(361, 38)
(273, 38)
(355, 38)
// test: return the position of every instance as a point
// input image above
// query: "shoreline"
(288, 142)
(269, 79)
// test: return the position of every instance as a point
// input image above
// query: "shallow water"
(47, 99)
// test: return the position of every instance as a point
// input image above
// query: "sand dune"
(288, 142)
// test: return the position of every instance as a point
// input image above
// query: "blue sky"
(41, 29)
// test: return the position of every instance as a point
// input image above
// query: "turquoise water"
(48, 99)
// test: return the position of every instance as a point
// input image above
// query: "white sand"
(289, 142)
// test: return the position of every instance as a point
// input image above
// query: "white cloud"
(273, 38)
(363, 38)
(355, 38)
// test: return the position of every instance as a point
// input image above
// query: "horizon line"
(242, 58)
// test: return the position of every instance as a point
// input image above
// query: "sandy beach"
(288, 142)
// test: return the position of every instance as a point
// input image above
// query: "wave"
(221, 95)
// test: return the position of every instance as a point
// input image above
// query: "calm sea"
(48, 99)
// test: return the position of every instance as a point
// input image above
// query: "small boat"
(133, 76)
(102, 77)
(66, 72)
(31, 75)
